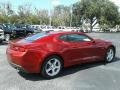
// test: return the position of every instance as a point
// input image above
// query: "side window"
(78, 38)
(63, 37)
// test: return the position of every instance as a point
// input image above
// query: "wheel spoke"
(49, 63)
(57, 67)
(48, 70)
(55, 62)
(53, 72)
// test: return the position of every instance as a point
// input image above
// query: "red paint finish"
(31, 55)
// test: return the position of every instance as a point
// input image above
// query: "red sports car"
(48, 53)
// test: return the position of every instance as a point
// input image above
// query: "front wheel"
(110, 55)
(51, 67)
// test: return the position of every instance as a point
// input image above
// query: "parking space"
(95, 76)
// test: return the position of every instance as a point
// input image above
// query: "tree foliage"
(61, 16)
(102, 12)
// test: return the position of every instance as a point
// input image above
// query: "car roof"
(64, 32)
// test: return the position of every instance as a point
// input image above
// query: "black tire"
(45, 65)
(29, 34)
(1, 41)
(108, 60)
(7, 37)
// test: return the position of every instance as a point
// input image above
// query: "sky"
(117, 2)
(40, 4)
(45, 4)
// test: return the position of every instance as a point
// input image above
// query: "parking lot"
(95, 76)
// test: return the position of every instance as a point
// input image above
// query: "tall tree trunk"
(91, 27)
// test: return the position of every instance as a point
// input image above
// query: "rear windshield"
(36, 36)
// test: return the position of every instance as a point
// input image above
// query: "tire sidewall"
(1, 41)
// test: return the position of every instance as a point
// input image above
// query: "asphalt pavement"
(94, 76)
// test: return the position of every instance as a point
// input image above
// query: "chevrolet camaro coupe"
(47, 53)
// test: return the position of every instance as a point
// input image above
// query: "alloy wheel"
(110, 55)
(53, 67)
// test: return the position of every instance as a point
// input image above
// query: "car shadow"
(66, 71)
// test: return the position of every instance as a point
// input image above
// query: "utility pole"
(53, 4)
(71, 16)
(50, 17)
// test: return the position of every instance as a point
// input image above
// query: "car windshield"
(28, 26)
(20, 26)
(36, 36)
(9, 26)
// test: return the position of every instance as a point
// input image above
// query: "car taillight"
(21, 49)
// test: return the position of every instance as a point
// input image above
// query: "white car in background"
(114, 30)
(96, 29)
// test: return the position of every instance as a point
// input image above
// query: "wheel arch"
(114, 49)
(50, 55)
(112, 46)
(54, 54)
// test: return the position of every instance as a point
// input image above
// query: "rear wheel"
(110, 55)
(51, 67)
(29, 34)
(1, 41)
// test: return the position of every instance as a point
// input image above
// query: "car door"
(89, 51)
(80, 48)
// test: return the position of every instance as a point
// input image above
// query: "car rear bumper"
(23, 61)
(18, 67)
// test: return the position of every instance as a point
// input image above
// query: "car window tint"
(78, 37)
(36, 36)
(63, 37)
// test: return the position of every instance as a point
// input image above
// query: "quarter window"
(78, 37)
(64, 37)
(75, 38)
